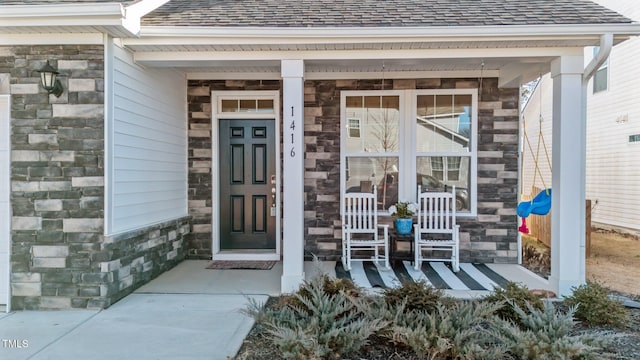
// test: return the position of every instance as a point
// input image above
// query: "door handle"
(273, 201)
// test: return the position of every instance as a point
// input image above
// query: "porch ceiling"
(348, 61)
(390, 65)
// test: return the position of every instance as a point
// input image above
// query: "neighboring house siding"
(491, 237)
(149, 142)
(613, 174)
(57, 191)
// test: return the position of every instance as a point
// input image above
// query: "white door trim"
(216, 115)
(5, 203)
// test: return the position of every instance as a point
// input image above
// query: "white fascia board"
(195, 56)
(266, 35)
(98, 15)
(52, 39)
(134, 12)
(61, 10)
(143, 7)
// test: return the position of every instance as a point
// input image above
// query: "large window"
(409, 138)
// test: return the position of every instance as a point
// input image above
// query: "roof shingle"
(378, 13)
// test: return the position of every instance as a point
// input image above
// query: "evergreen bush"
(417, 295)
(456, 331)
(547, 334)
(513, 294)
(324, 325)
(595, 307)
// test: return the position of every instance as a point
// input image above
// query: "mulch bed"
(625, 345)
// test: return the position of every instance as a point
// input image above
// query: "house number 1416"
(292, 127)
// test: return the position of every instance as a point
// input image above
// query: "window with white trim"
(409, 138)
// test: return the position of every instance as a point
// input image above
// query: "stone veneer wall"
(59, 256)
(491, 237)
(130, 260)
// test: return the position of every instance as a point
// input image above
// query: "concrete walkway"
(188, 312)
(141, 326)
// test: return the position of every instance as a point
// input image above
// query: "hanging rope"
(541, 203)
(542, 142)
(537, 154)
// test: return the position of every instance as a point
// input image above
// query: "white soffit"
(68, 18)
(109, 17)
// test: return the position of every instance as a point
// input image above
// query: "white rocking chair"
(360, 229)
(436, 229)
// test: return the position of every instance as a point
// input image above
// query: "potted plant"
(403, 213)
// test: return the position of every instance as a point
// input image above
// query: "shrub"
(447, 332)
(595, 307)
(324, 326)
(547, 334)
(513, 294)
(328, 285)
(416, 295)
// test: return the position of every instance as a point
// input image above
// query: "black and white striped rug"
(470, 277)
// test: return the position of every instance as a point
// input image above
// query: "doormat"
(247, 265)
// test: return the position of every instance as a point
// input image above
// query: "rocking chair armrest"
(385, 228)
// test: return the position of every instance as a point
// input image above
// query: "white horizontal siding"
(148, 142)
(613, 174)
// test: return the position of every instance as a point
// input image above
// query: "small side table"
(394, 237)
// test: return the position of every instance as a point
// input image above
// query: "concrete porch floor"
(192, 277)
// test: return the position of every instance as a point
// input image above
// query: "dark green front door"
(247, 184)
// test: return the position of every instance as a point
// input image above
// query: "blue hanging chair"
(539, 205)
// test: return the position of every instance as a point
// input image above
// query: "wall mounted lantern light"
(49, 80)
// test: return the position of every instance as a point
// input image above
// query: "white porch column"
(568, 175)
(293, 174)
